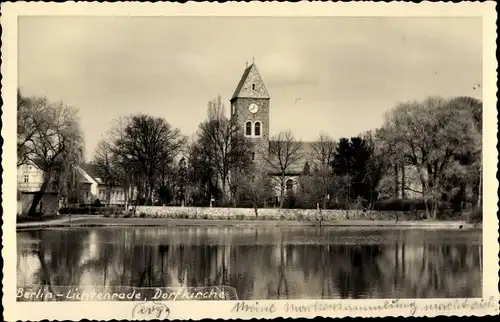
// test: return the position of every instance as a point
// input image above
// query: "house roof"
(82, 178)
(91, 170)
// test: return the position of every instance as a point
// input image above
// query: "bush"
(89, 210)
(142, 215)
(475, 216)
(335, 206)
(398, 204)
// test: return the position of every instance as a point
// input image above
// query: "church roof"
(245, 89)
(306, 153)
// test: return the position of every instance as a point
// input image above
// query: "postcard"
(249, 160)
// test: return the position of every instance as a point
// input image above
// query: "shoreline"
(103, 222)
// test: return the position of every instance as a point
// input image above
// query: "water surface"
(260, 263)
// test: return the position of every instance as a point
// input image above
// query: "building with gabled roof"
(93, 187)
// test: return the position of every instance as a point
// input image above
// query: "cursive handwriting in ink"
(148, 310)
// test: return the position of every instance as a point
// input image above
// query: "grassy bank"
(26, 218)
(101, 221)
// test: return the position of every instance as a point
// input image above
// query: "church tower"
(250, 109)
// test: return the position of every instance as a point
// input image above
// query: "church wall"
(261, 143)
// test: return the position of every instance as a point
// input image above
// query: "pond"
(258, 263)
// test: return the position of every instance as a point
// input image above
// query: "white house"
(92, 187)
(29, 181)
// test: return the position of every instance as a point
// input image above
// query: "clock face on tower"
(253, 108)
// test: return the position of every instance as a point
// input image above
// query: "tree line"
(430, 148)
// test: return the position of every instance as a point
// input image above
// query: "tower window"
(248, 128)
(234, 109)
(253, 156)
(253, 87)
(257, 129)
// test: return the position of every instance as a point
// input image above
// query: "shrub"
(398, 204)
(475, 216)
(142, 215)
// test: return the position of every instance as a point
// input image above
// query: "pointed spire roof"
(251, 84)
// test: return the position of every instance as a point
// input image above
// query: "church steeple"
(250, 105)
(251, 84)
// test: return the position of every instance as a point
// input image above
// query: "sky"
(347, 71)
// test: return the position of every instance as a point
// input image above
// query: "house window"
(289, 184)
(257, 129)
(253, 156)
(26, 178)
(234, 109)
(248, 128)
(253, 87)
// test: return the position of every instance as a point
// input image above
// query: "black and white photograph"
(253, 162)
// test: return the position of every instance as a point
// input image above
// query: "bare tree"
(475, 108)
(29, 111)
(49, 138)
(148, 144)
(284, 152)
(223, 144)
(255, 187)
(430, 135)
(323, 151)
(107, 166)
(126, 166)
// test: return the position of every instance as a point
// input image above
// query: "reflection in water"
(269, 263)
